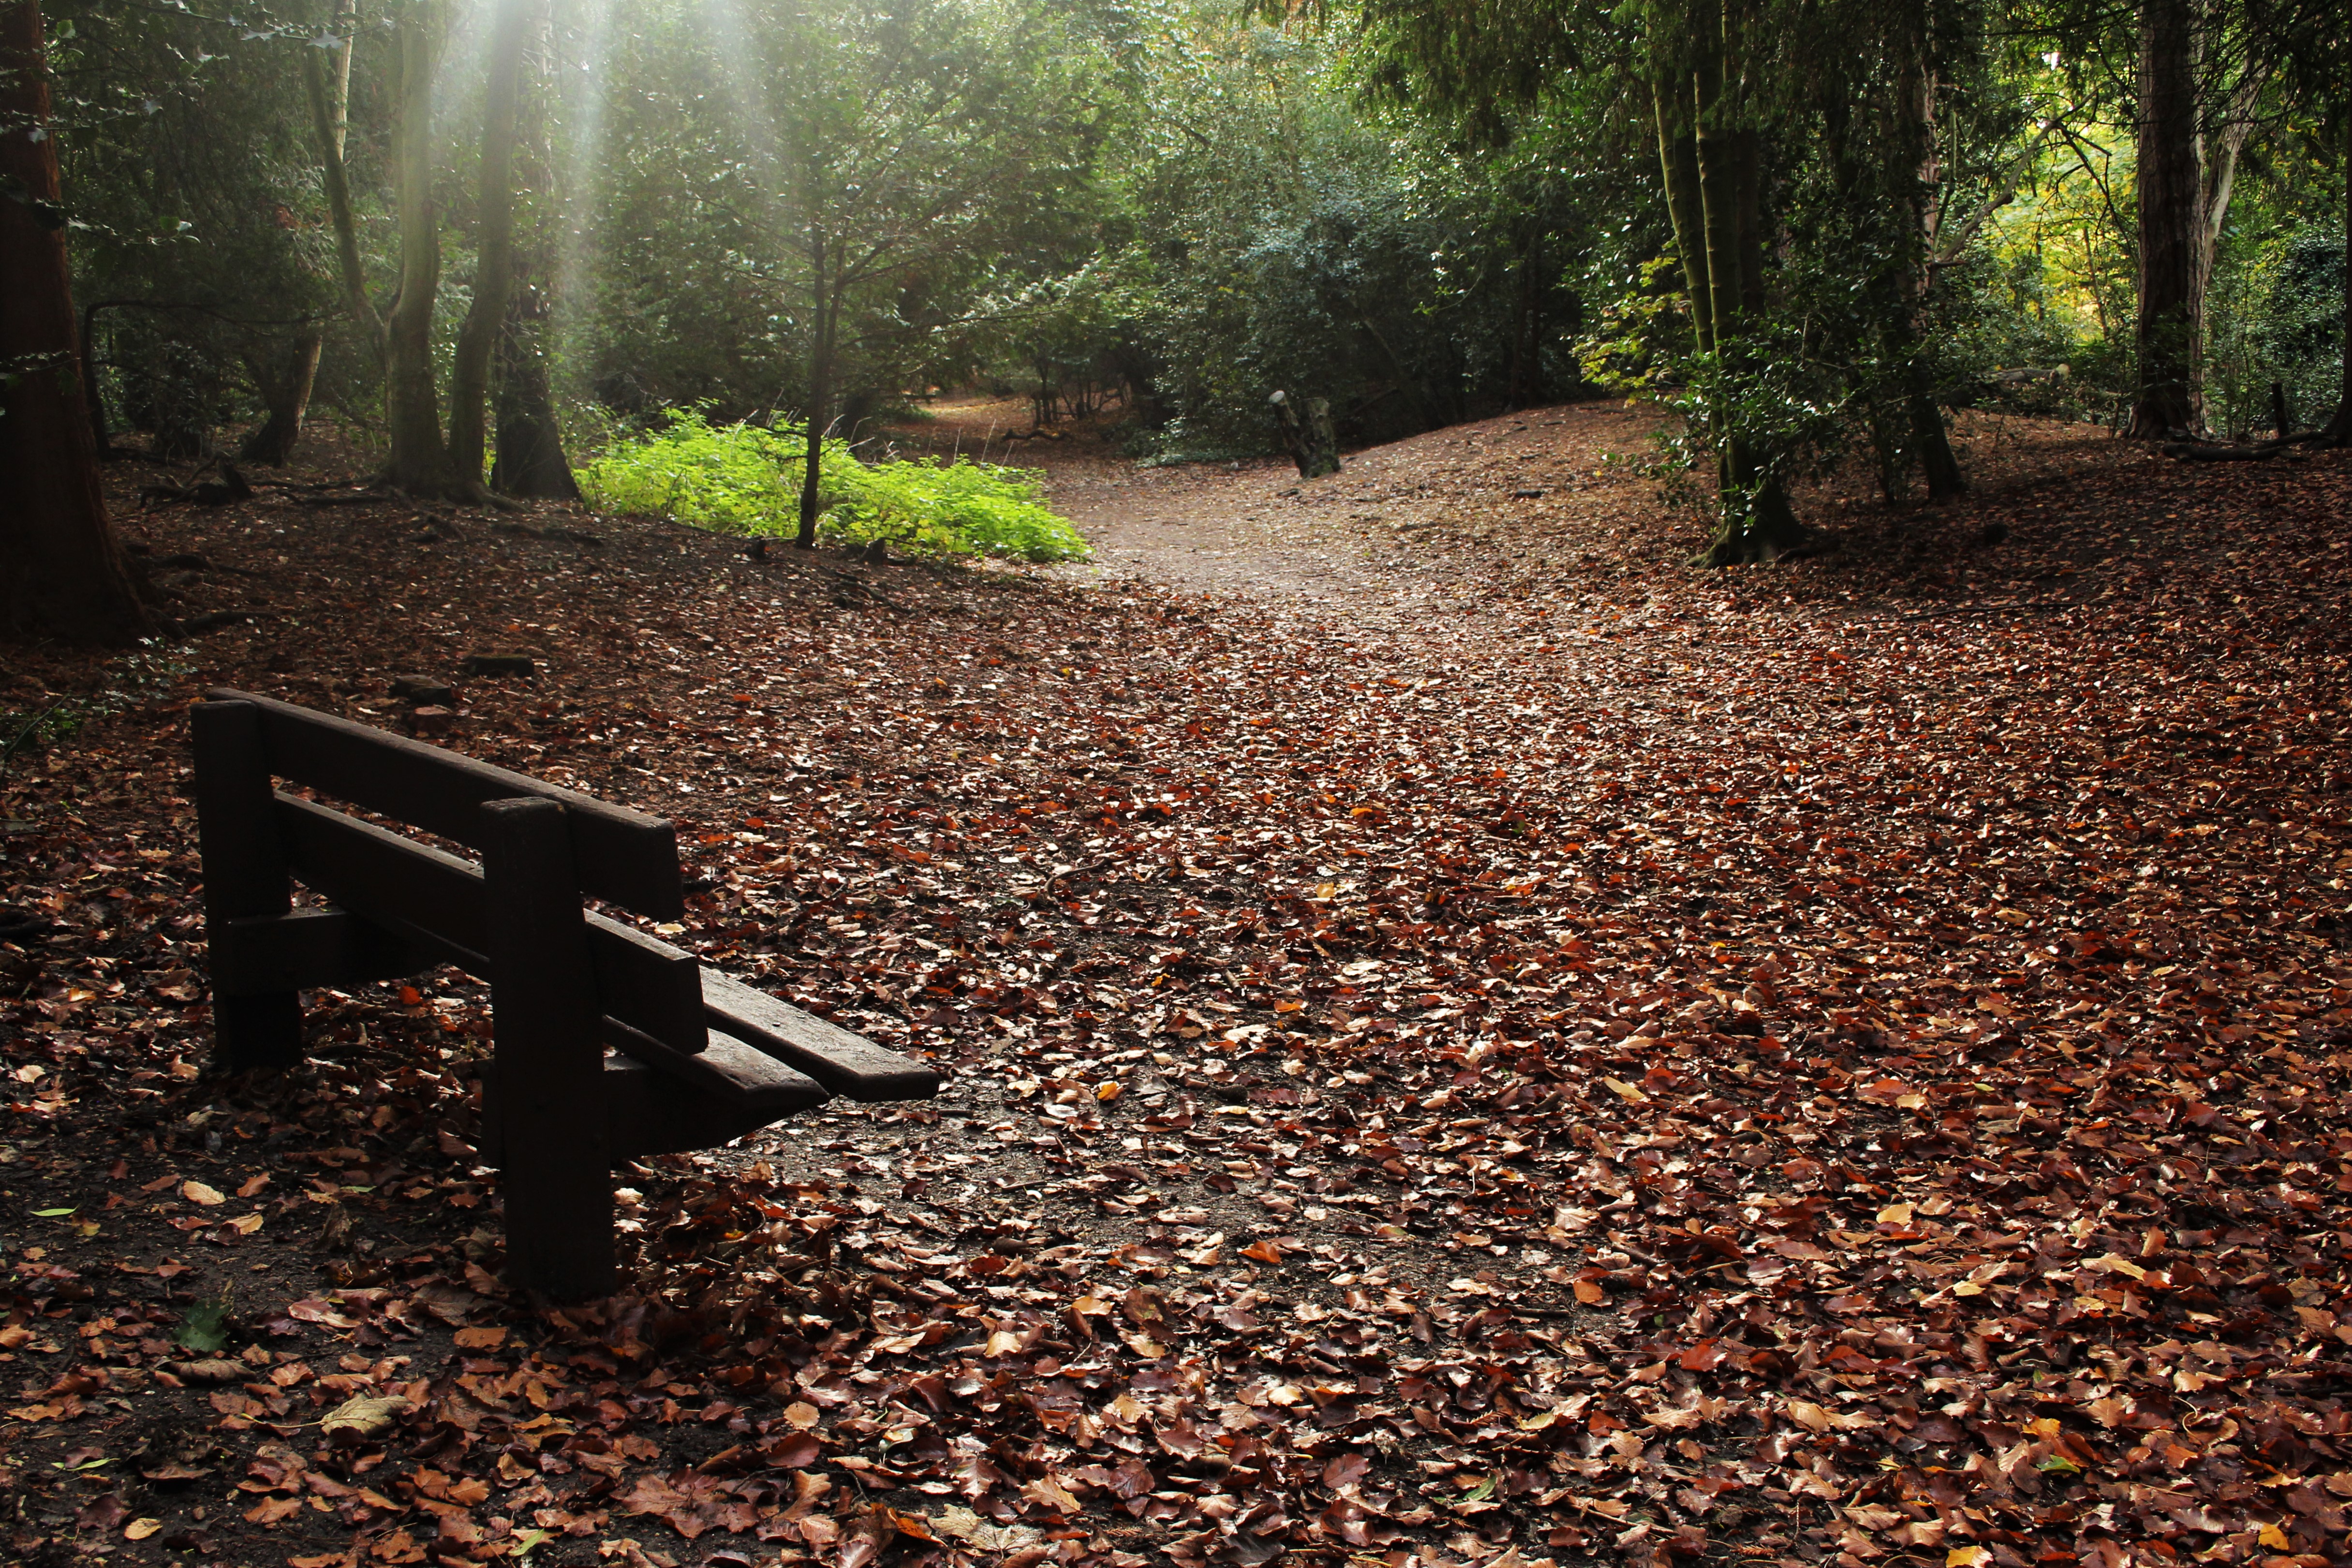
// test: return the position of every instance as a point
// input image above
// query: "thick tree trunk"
(285, 391)
(2172, 242)
(420, 461)
(485, 319)
(62, 572)
(530, 460)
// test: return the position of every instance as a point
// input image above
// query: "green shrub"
(742, 479)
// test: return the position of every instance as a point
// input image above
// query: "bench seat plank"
(434, 901)
(846, 1064)
(725, 1069)
(647, 1112)
(619, 854)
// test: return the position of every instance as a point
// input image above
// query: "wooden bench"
(608, 1044)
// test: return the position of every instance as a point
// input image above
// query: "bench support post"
(245, 875)
(554, 1168)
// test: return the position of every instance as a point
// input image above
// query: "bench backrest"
(430, 899)
(620, 855)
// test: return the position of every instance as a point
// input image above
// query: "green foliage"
(744, 479)
(208, 1326)
(734, 478)
(2277, 316)
(950, 508)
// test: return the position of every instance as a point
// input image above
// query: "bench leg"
(556, 1172)
(245, 874)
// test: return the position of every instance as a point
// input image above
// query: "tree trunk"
(1678, 169)
(1928, 437)
(2171, 327)
(2339, 429)
(285, 391)
(2222, 154)
(820, 395)
(1756, 522)
(329, 89)
(420, 462)
(530, 461)
(1308, 433)
(62, 572)
(485, 319)
(93, 400)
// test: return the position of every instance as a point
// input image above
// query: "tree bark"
(485, 319)
(2172, 240)
(420, 461)
(93, 400)
(62, 571)
(1756, 522)
(530, 461)
(820, 391)
(1928, 437)
(286, 393)
(2339, 428)
(329, 94)
(1678, 171)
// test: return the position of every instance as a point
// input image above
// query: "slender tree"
(486, 317)
(62, 571)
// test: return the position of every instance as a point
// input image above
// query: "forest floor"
(1467, 1041)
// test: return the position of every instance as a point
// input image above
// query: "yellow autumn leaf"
(197, 1192)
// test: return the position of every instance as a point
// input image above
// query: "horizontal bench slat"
(304, 948)
(844, 1063)
(725, 1069)
(433, 899)
(627, 857)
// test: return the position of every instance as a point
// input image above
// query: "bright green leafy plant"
(744, 479)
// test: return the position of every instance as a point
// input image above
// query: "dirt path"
(1448, 519)
(1387, 538)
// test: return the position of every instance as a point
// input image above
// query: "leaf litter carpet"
(1837, 1062)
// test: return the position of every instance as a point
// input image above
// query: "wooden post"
(245, 874)
(549, 1065)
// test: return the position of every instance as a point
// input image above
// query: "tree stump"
(1311, 441)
